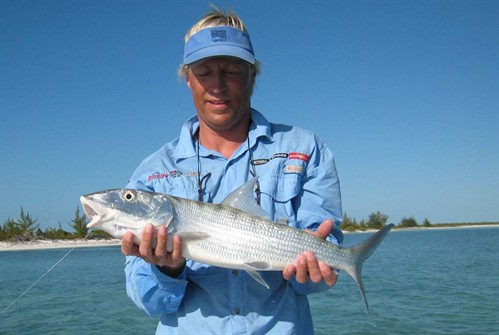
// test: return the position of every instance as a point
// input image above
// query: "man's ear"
(187, 80)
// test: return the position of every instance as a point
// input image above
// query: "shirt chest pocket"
(280, 191)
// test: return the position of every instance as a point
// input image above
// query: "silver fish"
(235, 234)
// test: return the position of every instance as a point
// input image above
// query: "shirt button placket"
(236, 296)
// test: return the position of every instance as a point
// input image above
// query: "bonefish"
(235, 234)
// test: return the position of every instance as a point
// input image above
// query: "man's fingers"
(301, 269)
(128, 247)
(329, 275)
(308, 267)
(313, 267)
(160, 250)
(145, 248)
(289, 271)
(325, 228)
(154, 246)
(177, 248)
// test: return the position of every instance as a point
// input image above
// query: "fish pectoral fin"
(256, 276)
(193, 235)
(185, 236)
(252, 268)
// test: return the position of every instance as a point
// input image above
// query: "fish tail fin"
(361, 252)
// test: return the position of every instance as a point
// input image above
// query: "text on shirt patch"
(293, 169)
(266, 160)
(300, 156)
(170, 174)
(291, 155)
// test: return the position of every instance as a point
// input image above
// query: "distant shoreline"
(464, 226)
(80, 243)
(57, 244)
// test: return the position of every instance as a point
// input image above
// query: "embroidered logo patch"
(300, 156)
(170, 174)
(157, 175)
(266, 160)
(293, 169)
(219, 35)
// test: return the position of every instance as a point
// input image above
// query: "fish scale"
(234, 234)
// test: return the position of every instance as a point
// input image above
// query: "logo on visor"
(218, 35)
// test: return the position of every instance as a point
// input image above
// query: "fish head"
(118, 211)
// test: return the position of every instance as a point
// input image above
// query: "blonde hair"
(214, 18)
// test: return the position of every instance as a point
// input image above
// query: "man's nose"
(218, 82)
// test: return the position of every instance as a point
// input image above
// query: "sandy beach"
(56, 244)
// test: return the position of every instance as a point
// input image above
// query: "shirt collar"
(187, 141)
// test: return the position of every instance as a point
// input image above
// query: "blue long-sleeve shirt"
(299, 185)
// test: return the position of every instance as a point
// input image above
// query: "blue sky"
(406, 94)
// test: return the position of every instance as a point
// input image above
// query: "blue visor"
(217, 42)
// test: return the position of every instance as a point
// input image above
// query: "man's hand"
(307, 266)
(170, 262)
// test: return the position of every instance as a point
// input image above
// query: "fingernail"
(148, 228)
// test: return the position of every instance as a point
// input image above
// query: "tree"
(9, 230)
(79, 224)
(27, 226)
(57, 234)
(363, 225)
(408, 222)
(376, 220)
(348, 224)
(426, 223)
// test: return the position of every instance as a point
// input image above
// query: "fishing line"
(41, 277)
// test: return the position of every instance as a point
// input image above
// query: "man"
(217, 151)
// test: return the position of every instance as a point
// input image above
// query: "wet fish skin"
(234, 234)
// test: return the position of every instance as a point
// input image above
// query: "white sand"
(56, 244)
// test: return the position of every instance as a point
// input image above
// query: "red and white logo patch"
(298, 155)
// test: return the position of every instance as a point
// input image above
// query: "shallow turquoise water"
(417, 282)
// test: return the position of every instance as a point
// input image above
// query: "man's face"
(221, 89)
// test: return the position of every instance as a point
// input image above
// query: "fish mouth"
(91, 213)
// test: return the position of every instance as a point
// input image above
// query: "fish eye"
(129, 195)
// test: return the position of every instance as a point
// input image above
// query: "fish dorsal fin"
(243, 199)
